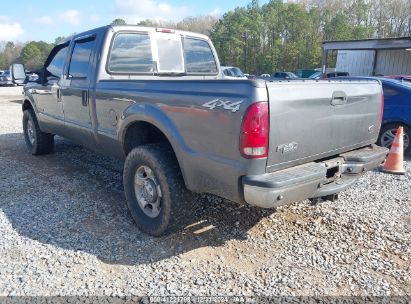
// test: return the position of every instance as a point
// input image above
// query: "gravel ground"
(65, 230)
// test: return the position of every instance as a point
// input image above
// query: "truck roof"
(136, 28)
(155, 29)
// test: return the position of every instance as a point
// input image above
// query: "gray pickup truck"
(157, 99)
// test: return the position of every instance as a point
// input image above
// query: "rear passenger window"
(131, 53)
(198, 56)
(80, 58)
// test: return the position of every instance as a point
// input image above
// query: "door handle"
(339, 98)
(84, 98)
(58, 95)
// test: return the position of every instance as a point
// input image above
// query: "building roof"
(369, 44)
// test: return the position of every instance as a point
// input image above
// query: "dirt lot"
(11, 92)
(65, 230)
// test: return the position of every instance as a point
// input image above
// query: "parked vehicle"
(397, 111)
(180, 125)
(14, 76)
(319, 75)
(5, 79)
(250, 76)
(265, 77)
(283, 75)
(305, 73)
(316, 76)
(337, 74)
(232, 73)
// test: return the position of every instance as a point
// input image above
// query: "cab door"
(47, 93)
(75, 91)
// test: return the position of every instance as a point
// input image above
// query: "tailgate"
(310, 120)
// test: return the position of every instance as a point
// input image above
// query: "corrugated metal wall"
(357, 63)
(393, 62)
(360, 63)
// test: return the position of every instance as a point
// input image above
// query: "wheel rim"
(30, 131)
(388, 136)
(147, 191)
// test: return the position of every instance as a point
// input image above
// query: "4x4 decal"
(232, 106)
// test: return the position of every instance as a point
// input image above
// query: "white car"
(5, 79)
(230, 72)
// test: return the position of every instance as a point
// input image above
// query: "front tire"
(37, 141)
(154, 188)
(387, 134)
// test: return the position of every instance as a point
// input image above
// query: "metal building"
(368, 57)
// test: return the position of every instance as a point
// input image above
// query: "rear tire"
(37, 141)
(154, 188)
(387, 134)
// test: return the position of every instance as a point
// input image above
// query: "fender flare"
(155, 116)
(31, 102)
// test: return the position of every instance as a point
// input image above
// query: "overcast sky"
(26, 20)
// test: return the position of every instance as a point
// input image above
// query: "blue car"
(397, 110)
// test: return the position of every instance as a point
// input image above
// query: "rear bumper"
(311, 180)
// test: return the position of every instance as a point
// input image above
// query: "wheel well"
(27, 105)
(399, 123)
(141, 133)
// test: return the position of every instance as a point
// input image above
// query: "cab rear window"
(131, 53)
(199, 57)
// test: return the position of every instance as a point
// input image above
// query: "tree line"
(288, 35)
(279, 35)
(32, 54)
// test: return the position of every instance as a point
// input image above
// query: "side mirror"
(17, 73)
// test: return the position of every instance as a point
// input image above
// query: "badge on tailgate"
(287, 148)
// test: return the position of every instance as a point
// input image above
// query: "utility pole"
(245, 36)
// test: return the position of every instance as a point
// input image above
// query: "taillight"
(255, 131)
(382, 107)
